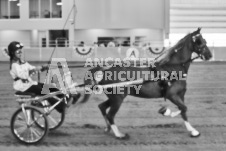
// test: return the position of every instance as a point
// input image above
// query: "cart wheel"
(55, 119)
(24, 128)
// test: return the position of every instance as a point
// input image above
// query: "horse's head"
(200, 47)
(181, 52)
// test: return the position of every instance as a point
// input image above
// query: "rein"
(191, 60)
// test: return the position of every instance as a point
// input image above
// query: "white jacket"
(21, 71)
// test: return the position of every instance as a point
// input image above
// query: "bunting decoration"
(156, 50)
(83, 51)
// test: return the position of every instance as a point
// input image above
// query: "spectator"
(126, 43)
(46, 14)
(82, 44)
(111, 44)
(102, 45)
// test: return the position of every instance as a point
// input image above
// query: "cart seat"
(24, 94)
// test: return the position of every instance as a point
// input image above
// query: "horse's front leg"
(178, 100)
(167, 112)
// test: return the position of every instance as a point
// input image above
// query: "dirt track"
(83, 128)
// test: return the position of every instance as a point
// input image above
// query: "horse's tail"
(88, 84)
(85, 98)
(87, 91)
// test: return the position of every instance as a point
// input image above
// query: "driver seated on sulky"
(22, 71)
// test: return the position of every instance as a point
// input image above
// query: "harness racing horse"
(160, 84)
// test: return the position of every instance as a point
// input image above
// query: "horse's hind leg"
(179, 101)
(115, 103)
(103, 107)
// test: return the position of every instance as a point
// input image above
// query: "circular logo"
(132, 53)
(84, 51)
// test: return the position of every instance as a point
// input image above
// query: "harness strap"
(191, 60)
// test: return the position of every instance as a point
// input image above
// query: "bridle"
(197, 48)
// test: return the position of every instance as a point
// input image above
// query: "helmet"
(14, 46)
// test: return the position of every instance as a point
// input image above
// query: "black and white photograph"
(113, 75)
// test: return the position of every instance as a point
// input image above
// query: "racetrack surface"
(83, 128)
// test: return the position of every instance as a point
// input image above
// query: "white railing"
(66, 43)
(195, 2)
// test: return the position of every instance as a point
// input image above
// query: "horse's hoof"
(126, 137)
(195, 135)
(107, 130)
(162, 110)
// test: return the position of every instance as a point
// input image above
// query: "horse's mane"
(165, 57)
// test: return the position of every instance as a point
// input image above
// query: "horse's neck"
(181, 59)
(181, 56)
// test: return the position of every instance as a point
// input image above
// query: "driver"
(22, 71)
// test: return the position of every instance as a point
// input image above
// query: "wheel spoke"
(20, 130)
(31, 135)
(36, 119)
(52, 119)
(24, 135)
(20, 117)
(35, 133)
(21, 123)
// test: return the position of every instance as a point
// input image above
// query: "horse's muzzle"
(207, 55)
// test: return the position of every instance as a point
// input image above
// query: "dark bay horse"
(175, 60)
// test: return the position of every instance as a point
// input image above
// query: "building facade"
(64, 23)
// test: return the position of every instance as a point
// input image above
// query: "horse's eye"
(198, 42)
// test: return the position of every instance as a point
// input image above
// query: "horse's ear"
(199, 29)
